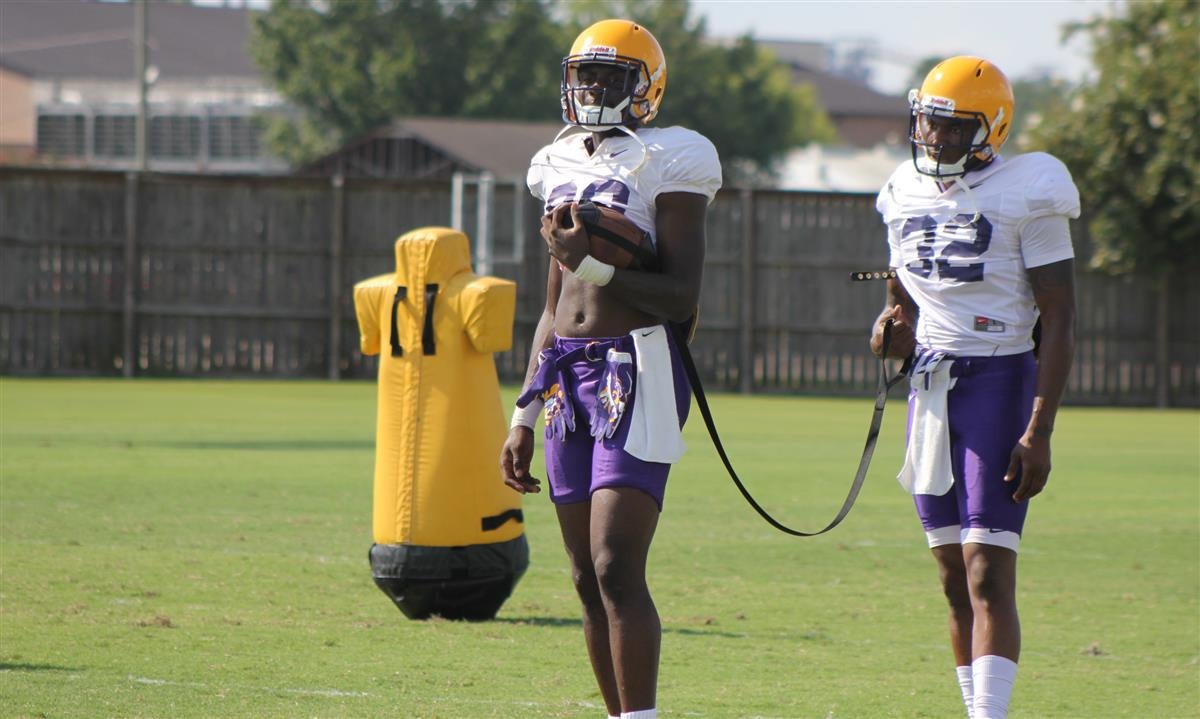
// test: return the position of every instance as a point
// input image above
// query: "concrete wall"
(17, 114)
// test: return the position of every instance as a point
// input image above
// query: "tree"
(1130, 138)
(1037, 97)
(1130, 141)
(350, 66)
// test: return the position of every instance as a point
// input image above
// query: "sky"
(1022, 37)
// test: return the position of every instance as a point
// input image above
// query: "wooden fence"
(106, 273)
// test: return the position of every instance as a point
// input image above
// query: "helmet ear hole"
(1002, 130)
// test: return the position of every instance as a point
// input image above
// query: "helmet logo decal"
(605, 50)
(938, 103)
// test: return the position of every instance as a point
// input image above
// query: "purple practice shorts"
(579, 464)
(988, 410)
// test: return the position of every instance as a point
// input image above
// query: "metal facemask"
(603, 111)
(976, 153)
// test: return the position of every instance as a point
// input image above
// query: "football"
(613, 238)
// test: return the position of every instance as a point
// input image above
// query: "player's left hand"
(1030, 461)
(566, 237)
(903, 337)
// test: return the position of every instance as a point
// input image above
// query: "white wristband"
(594, 271)
(528, 416)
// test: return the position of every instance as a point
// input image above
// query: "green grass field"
(199, 549)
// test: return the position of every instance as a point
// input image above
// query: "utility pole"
(139, 61)
(132, 191)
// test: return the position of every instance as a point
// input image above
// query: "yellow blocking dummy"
(449, 536)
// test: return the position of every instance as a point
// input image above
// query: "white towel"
(654, 434)
(927, 468)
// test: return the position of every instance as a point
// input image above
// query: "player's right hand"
(566, 237)
(903, 340)
(515, 458)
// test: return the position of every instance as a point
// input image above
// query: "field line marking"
(337, 693)
(333, 693)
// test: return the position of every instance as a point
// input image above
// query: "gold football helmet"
(976, 97)
(597, 104)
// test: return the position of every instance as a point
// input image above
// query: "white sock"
(964, 683)
(641, 714)
(993, 678)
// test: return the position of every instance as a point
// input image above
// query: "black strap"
(647, 259)
(428, 341)
(881, 392)
(397, 350)
(497, 520)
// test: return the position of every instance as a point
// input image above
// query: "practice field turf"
(199, 549)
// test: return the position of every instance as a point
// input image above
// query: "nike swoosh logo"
(647, 334)
(996, 531)
(618, 152)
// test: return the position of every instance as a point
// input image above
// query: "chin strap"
(638, 140)
(603, 128)
(962, 185)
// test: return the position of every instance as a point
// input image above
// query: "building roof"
(91, 39)
(841, 96)
(807, 53)
(501, 147)
(13, 69)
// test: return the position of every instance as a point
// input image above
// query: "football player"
(603, 361)
(981, 246)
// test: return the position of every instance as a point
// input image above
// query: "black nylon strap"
(497, 520)
(397, 350)
(428, 341)
(647, 259)
(881, 391)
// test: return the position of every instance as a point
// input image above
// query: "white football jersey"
(675, 160)
(963, 256)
